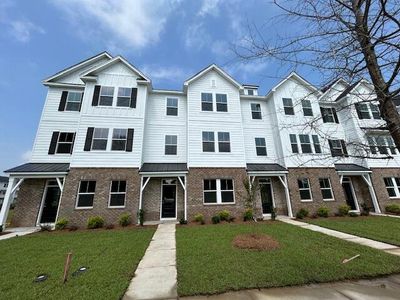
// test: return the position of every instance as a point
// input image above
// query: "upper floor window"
(288, 106)
(224, 144)
(307, 109)
(218, 191)
(222, 102)
(392, 186)
(61, 142)
(250, 92)
(304, 189)
(172, 106)
(106, 96)
(293, 143)
(119, 139)
(329, 115)
(100, 136)
(338, 147)
(117, 193)
(305, 143)
(124, 97)
(86, 192)
(261, 148)
(383, 144)
(206, 102)
(367, 111)
(317, 146)
(208, 141)
(326, 189)
(171, 144)
(255, 111)
(74, 101)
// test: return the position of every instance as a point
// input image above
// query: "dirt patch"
(255, 241)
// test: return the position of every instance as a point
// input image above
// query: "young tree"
(352, 39)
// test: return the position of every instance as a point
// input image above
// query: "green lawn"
(208, 263)
(110, 255)
(384, 229)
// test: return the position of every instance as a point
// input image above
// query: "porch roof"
(163, 168)
(351, 168)
(265, 168)
(39, 168)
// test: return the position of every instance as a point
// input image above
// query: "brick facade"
(380, 189)
(103, 178)
(28, 203)
(278, 194)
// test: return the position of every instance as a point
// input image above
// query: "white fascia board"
(267, 173)
(64, 85)
(163, 174)
(170, 92)
(298, 78)
(38, 175)
(334, 84)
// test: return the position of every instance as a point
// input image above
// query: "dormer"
(250, 90)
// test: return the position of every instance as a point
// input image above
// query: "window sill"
(328, 200)
(116, 207)
(84, 208)
(213, 204)
(310, 200)
(394, 198)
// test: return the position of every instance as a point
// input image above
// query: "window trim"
(255, 111)
(177, 106)
(72, 143)
(292, 144)
(219, 191)
(213, 141)
(93, 138)
(309, 188)
(264, 147)
(80, 102)
(307, 108)
(216, 103)
(330, 188)
(129, 97)
(201, 102)
(224, 142)
(394, 186)
(309, 143)
(117, 193)
(165, 144)
(289, 107)
(77, 196)
(113, 96)
(112, 139)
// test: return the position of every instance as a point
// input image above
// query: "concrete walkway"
(392, 249)
(155, 277)
(384, 215)
(387, 288)
(18, 231)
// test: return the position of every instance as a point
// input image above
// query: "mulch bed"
(4, 233)
(255, 241)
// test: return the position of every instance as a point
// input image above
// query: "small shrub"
(215, 219)
(95, 222)
(72, 228)
(344, 210)
(393, 208)
(273, 214)
(125, 219)
(365, 209)
(45, 227)
(248, 215)
(224, 215)
(323, 212)
(61, 224)
(353, 214)
(141, 216)
(199, 218)
(302, 213)
(182, 221)
(231, 219)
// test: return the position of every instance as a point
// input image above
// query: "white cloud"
(196, 36)
(22, 30)
(26, 156)
(209, 7)
(171, 73)
(135, 23)
(247, 70)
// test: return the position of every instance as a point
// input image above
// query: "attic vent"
(213, 84)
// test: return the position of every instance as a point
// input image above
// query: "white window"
(171, 144)
(293, 143)
(367, 111)
(305, 143)
(329, 115)
(261, 148)
(86, 192)
(326, 189)
(65, 142)
(222, 102)
(250, 92)
(117, 194)
(304, 189)
(172, 106)
(307, 109)
(256, 111)
(208, 141)
(124, 97)
(317, 146)
(206, 102)
(288, 106)
(106, 96)
(74, 100)
(119, 139)
(224, 143)
(100, 136)
(218, 191)
(338, 147)
(392, 186)
(382, 144)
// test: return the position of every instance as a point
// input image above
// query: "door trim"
(176, 199)
(353, 192)
(42, 204)
(268, 180)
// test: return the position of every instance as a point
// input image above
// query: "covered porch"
(163, 191)
(357, 186)
(41, 186)
(271, 178)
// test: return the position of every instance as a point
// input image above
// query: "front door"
(50, 203)
(349, 193)
(266, 196)
(168, 199)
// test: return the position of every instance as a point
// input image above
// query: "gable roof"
(208, 69)
(347, 90)
(298, 78)
(117, 59)
(75, 67)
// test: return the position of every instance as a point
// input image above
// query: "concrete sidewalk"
(18, 231)
(392, 249)
(155, 276)
(387, 288)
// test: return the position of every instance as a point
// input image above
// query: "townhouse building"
(109, 143)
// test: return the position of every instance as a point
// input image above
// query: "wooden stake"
(345, 261)
(66, 266)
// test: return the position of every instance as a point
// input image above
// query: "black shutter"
(96, 95)
(89, 137)
(129, 141)
(331, 147)
(53, 142)
(63, 101)
(335, 115)
(80, 104)
(133, 97)
(344, 148)
(73, 142)
(357, 105)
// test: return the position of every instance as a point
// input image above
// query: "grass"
(110, 255)
(383, 229)
(209, 264)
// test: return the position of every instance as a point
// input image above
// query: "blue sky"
(168, 40)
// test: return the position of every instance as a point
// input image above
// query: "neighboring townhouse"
(3, 188)
(108, 143)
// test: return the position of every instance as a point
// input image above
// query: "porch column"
(142, 186)
(184, 186)
(13, 184)
(368, 181)
(283, 180)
